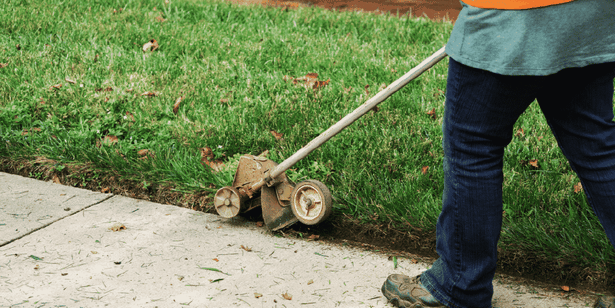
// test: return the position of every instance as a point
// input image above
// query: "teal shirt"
(539, 42)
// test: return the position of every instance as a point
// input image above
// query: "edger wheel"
(311, 202)
(227, 202)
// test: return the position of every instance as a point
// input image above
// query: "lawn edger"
(262, 182)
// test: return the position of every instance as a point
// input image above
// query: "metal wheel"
(228, 202)
(311, 202)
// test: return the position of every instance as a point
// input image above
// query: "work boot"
(605, 302)
(406, 292)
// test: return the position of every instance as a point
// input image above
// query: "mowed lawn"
(77, 87)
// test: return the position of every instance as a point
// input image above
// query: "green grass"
(229, 63)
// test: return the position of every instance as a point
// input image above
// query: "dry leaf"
(248, 249)
(117, 227)
(424, 169)
(36, 267)
(366, 89)
(128, 90)
(432, 113)
(18, 47)
(105, 190)
(96, 58)
(109, 140)
(259, 223)
(207, 159)
(216, 259)
(70, 80)
(160, 19)
(149, 94)
(310, 282)
(578, 187)
(3, 65)
(257, 295)
(177, 104)
(150, 46)
(520, 132)
(320, 84)
(534, 163)
(566, 288)
(414, 261)
(57, 86)
(277, 135)
(287, 296)
(56, 179)
(313, 237)
(224, 100)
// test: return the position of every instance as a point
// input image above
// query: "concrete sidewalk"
(66, 247)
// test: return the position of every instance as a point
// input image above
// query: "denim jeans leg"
(480, 111)
(578, 105)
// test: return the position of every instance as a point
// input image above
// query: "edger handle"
(359, 112)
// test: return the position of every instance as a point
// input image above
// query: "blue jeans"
(480, 111)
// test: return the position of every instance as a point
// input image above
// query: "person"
(503, 56)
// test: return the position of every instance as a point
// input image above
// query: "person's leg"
(480, 111)
(578, 105)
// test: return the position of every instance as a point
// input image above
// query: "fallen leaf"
(177, 103)
(578, 187)
(424, 169)
(3, 65)
(310, 282)
(414, 261)
(224, 100)
(180, 278)
(149, 94)
(105, 190)
(566, 288)
(70, 80)
(259, 223)
(94, 252)
(366, 89)
(257, 295)
(57, 86)
(143, 152)
(107, 89)
(277, 135)
(320, 84)
(520, 132)
(432, 113)
(36, 267)
(287, 296)
(109, 140)
(129, 90)
(117, 227)
(207, 159)
(96, 58)
(313, 237)
(18, 47)
(56, 179)
(150, 46)
(160, 19)
(216, 259)
(246, 248)
(64, 274)
(534, 163)
(36, 129)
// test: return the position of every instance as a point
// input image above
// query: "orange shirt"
(512, 4)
